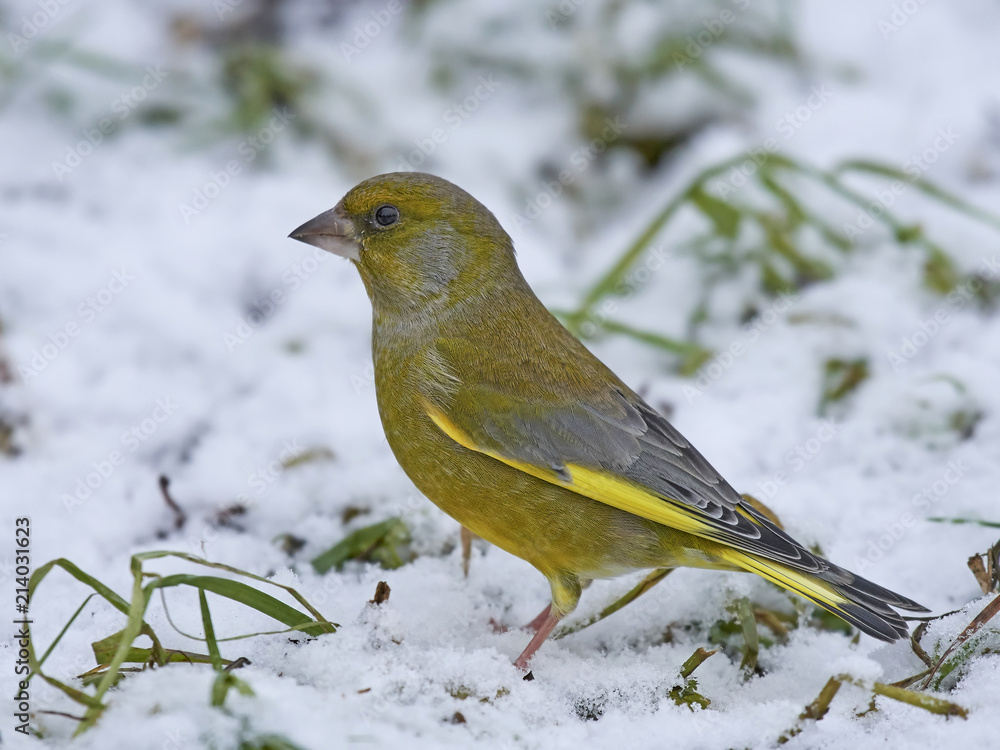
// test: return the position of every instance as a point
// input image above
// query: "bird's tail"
(860, 602)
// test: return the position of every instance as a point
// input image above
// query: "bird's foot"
(546, 627)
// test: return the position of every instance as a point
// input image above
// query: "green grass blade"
(357, 544)
(925, 186)
(696, 660)
(724, 217)
(329, 627)
(136, 610)
(685, 348)
(224, 682)
(58, 638)
(751, 640)
(36, 578)
(920, 700)
(246, 595)
(634, 593)
(206, 622)
(976, 521)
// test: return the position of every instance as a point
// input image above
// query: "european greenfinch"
(507, 423)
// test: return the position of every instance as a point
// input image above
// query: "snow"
(146, 380)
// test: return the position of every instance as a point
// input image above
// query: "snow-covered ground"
(156, 320)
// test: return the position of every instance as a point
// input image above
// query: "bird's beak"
(332, 231)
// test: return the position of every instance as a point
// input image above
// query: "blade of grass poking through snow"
(841, 377)
(978, 622)
(781, 224)
(696, 660)
(772, 621)
(120, 646)
(105, 648)
(815, 710)
(381, 542)
(269, 742)
(921, 184)
(940, 274)
(634, 593)
(235, 590)
(62, 632)
(687, 694)
(751, 641)
(36, 664)
(920, 700)
(615, 276)
(818, 708)
(209, 628)
(112, 598)
(723, 216)
(246, 595)
(693, 355)
(132, 629)
(976, 521)
(224, 680)
(91, 702)
(204, 658)
(322, 625)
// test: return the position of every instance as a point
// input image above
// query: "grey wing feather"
(624, 435)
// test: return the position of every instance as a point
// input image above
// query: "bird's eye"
(386, 215)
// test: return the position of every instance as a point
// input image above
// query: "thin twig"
(180, 517)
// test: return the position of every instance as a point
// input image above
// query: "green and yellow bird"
(514, 429)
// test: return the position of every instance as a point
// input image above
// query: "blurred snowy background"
(777, 220)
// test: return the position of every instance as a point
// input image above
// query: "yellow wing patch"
(631, 498)
(596, 485)
(801, 583)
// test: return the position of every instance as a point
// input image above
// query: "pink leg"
(552, 619)
(535, 624)
(466, 536)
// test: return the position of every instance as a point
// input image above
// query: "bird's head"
(417, 240)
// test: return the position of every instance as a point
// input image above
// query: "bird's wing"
(615, 449)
